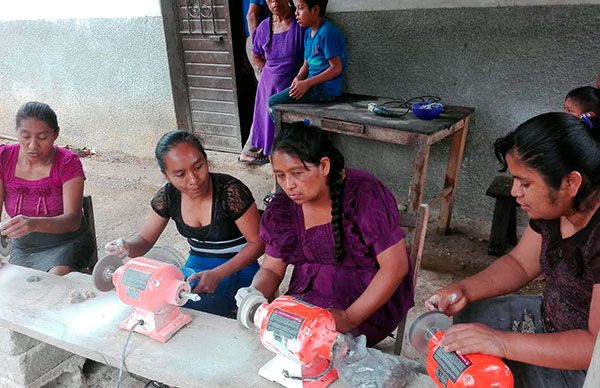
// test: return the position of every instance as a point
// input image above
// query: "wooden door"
(203, 74)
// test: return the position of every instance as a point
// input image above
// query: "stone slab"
(211, 351)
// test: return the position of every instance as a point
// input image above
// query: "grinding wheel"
(4, 246)
(425, 326)
(246, 311)
(104, 270)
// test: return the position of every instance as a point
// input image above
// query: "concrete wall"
(510, 63)
(107, 78)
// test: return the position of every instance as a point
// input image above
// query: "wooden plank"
(211, 94)
(201, 81)
(204, 27)
(213, 106)
(419, 173)
(220, 57)
(214, 118)
(201, 43)
(457, 149)
(177, 68)
(219, 143)
(215, 129)
(370, 132)
(209, 69)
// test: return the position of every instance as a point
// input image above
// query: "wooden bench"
(504, 222)
(349, 115)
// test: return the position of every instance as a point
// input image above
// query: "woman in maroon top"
(340, 229)
(554, 159)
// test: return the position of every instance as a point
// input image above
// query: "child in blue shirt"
(321, 76)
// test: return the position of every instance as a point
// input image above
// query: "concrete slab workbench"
(211, 351)
(349, 115)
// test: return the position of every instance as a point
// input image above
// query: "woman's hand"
(474, 338)
(448, 300)
(343, 324)
(298, 88)
(208, 281)
(119, 247)
(18, 226)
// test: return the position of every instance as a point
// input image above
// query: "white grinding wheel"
(4, 246)
(423, 328)
(245, 313)
(104, 270)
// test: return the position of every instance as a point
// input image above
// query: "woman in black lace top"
(554, 159)
(217, 215)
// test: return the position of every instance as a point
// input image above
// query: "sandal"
(257, 161)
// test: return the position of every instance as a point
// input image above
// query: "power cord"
(398, 108)
(120, 377)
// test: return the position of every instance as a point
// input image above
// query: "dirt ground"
(122, 186)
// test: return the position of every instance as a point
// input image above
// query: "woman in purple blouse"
(340, 229)
(554, 159)
(41, 188)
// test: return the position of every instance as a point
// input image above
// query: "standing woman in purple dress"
(278, 51)
(340, 229)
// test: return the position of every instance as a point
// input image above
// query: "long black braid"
(310, 144)
(292, 9)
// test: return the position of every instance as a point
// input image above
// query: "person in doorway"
(583, 100)
(278, 52)
(321, 76)
(340, 229)
(253, 12)
(554, 159)
(41, 187)
(215, 212)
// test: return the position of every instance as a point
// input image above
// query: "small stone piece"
(33, 279)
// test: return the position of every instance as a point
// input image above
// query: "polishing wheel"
(104, 270)
(425, 326)
(246, 311)
(4, 246)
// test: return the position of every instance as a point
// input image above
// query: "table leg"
(457, 148)
(417, 183)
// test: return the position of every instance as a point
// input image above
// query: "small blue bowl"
(427, 110)
(187, 272)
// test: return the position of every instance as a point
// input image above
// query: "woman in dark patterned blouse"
(554, 159)
(215, 212)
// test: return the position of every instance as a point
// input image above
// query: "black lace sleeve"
(238, 198)
(160, 202)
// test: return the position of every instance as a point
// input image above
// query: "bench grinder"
(154, 289)
(452, 370)
(302, 335)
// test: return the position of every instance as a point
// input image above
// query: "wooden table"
(348, 115)
(211, 351)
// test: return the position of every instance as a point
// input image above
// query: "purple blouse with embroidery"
(37, 198)
(371, 225)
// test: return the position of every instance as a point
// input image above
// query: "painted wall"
(510, 63)
(101, 65)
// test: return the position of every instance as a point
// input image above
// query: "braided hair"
(292, 10)
(309, 144)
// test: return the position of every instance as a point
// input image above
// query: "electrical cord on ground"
(120, 377)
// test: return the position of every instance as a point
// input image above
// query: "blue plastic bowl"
(427, 110)
(187, 272)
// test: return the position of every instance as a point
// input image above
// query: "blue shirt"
(245, 6)
(327, 43)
